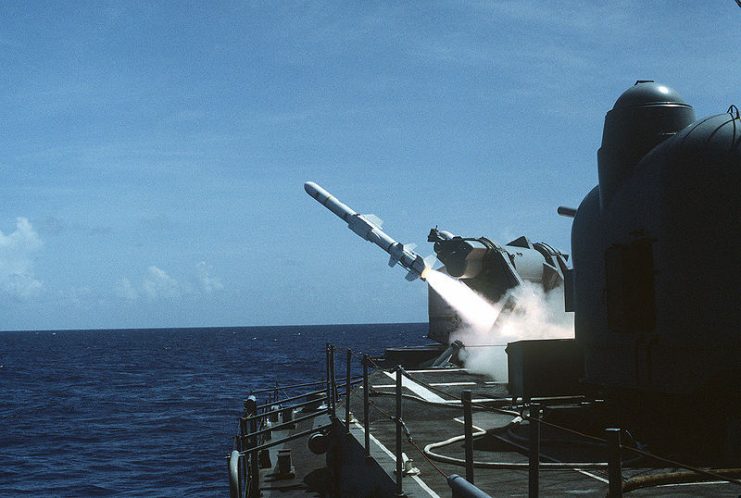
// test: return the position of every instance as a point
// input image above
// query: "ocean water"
(149, 412)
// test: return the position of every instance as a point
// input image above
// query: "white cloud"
(79, 297)
(17, 278)
(209, 284)
(157, 284)
(125, 290)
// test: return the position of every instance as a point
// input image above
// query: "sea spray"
(530, 313)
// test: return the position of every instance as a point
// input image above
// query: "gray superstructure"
(646, 395)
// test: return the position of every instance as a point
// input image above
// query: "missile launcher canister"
(492, 270)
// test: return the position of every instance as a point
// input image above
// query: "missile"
(368, 226)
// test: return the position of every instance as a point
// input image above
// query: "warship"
(644, 397)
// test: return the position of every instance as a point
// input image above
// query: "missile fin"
(412, 276)
(373, 219)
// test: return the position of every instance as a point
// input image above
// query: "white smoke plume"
(486, 330)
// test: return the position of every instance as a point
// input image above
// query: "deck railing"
(258, 423)
(255, 435)
(531, 412)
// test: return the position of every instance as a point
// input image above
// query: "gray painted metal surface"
(233, 462)
(656, 281)
(463, 489)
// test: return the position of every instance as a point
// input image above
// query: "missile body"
(368, 227)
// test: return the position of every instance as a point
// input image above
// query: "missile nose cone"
(311, 188)
(317, 192)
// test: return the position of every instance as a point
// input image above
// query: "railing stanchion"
(333, 384)
(348, 389)
(614, 465)
(366, 406)
(250, 409)
(534, 467)
(399, 458)
(242, 446)
(468, 431)
(242, 433)
(326, 373)
(254, 464)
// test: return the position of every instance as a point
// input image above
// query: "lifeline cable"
(708, 473)
(411, 441)
(428, 455)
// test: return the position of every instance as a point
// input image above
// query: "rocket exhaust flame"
(526, 312)
(472, 308)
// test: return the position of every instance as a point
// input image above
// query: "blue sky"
(153, 154)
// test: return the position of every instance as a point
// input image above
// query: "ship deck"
(432, 413)
(436, 415)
